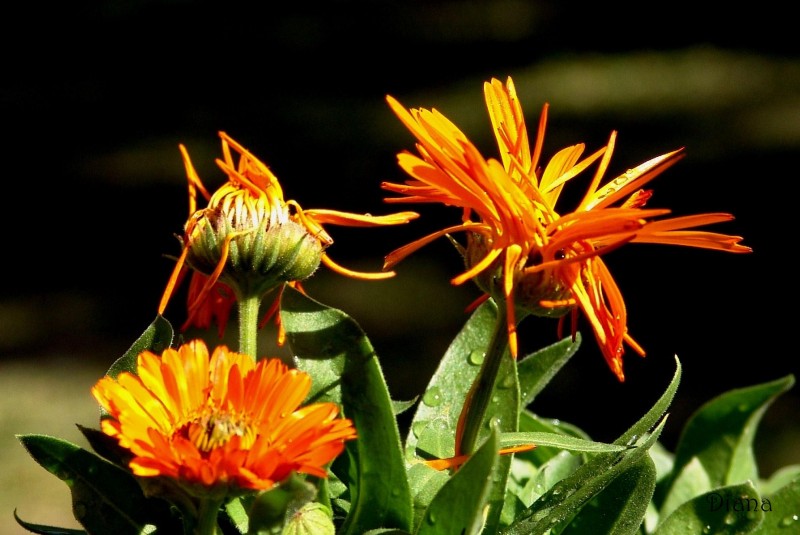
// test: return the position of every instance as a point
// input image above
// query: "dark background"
(96, 97)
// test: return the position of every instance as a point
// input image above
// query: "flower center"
(212, 430)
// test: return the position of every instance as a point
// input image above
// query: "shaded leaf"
(156, 338)
(719, 436)
(538, 368)
(326, 339)
(619, 509)
(105, 498)
(42, 529)
(570, 494)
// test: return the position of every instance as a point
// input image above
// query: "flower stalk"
(248, 308)
(479, 397)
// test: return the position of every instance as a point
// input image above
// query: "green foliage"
(569, 484)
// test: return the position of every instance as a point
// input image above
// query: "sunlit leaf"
(326, 338)
(729, 510)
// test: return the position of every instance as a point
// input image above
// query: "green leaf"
(105, 498)
(619, 508)
(42, 529)
(729, 510)
(537, 369)
(326, 339)
(569, 495)
(433, 428)
(532, 423)
(719, 436)
(557, 440)
(156, 338)
(436, 417)
(781, 510)
(459, 506)
(780, 478)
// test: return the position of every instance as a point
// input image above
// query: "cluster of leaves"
(569, 484)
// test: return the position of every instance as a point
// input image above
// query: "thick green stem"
(207, 517)
(248, 325)
(479, 396)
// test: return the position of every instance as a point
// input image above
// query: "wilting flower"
(219, 422)
(519, 248)
(248, 240)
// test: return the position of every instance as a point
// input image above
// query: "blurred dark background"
(96, 97)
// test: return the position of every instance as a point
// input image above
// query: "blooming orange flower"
(519, 248)
(221, 420)
(249, 239)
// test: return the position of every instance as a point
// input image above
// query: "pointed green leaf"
(570, 494)
(780, 478)
(532, 423)
(42, 529)
(433, 428)
(436, 417)
(459, 506)
(537, 369)
(156, 338)
(691, 481)
(720, 435)
(558, 441)
(729, 510)
(105, 498)
(326, 339)
(619, 509)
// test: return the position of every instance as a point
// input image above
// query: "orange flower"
(249, 240)
(219, 421)
(519, 248)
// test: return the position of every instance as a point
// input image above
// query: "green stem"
(479, 396)
(207, 517)
(248, 325)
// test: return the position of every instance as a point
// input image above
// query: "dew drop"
(506, 383)
(395, 492)
(743, 407)
(788, 521)
(418, 427)
(433, 397)
(730, 519)
(431, 518)
(476, 357)
(707, 529)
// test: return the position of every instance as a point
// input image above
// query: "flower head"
(248, 240)
(220, 421)
(519, 248)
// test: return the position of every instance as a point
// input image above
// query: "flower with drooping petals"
(248, 240)
(519, 249)
(219, 422)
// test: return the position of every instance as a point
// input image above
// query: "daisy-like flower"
(219, 423)
(248, 240)
(519, 249)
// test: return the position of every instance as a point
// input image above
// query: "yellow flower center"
(212, 430)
